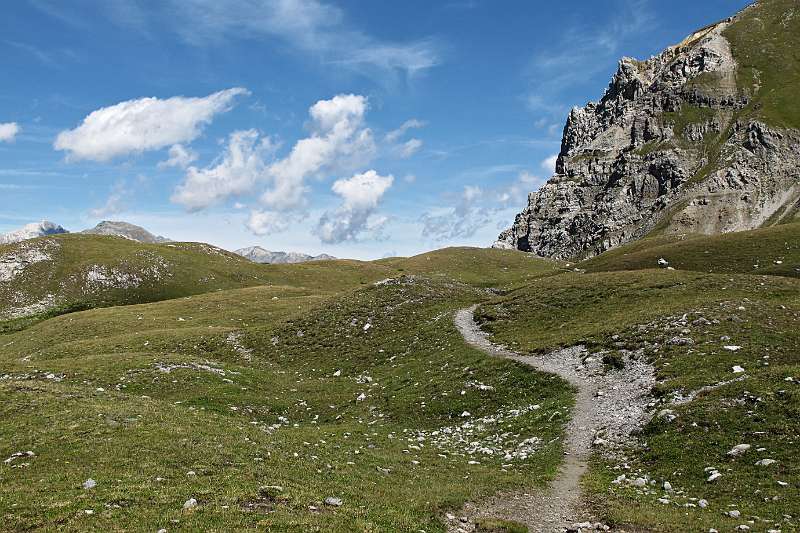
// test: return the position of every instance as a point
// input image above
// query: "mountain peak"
(125, 230)
(702, 138)
(31, 231)
(257, 254)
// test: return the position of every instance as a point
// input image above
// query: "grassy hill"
(348, 380)
(773, 251)
(368, 395)
(500, 269)
(51, 275)
(717, 311)
(647, 311)
(94, 270)
(765, 40)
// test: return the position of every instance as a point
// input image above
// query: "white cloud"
(338, 140)
(179, 156)
(266, 222)
(410, 148)
(236, 172)
(549, 164)
(462, 220)
(394, 135)
(144, 124)
(360, 195)
(9, 131)
(114, 203)
(311, 26)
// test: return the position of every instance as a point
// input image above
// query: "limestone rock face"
(125, 230)
(674, 146)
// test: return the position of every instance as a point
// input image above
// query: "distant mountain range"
(31, 231)
(124, 229)
(258, 254)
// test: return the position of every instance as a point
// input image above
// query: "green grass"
(501, 269)
(643, 310)
(154, 272)
(765, 42)
(774, 250)
(89, 394)
(149, 272)
(689, 114)
(322, 382)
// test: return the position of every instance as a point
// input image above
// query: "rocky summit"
(257, 254)
(125, 230)
(702, 138)
(31, 231)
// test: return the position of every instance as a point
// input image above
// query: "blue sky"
(355, 128)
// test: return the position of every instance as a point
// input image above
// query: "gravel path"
(608, 407)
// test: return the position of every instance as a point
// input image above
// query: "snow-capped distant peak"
(257, 254)
(31, 231)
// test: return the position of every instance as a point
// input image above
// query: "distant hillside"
(31, 231)
(91, 270)
(126, 230)
(257, 254)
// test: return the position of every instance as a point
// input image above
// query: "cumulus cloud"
(9, 131)
(141, 125)
(266, 222)
(236, 172)
(338, 140)
(549, 164)
(361, 195)
(179, 156)
(462, 220)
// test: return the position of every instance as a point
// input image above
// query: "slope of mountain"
(91, 270)
(31, 231)
(257, 254)
(347, 381)
(702, 138)
(771, 251)
(126, 230)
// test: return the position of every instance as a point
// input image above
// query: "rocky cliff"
(703, 138)
(125, 230)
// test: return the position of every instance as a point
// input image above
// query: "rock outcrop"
(680, 143)
(125, 230)
(257, 254)
(32, 231)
